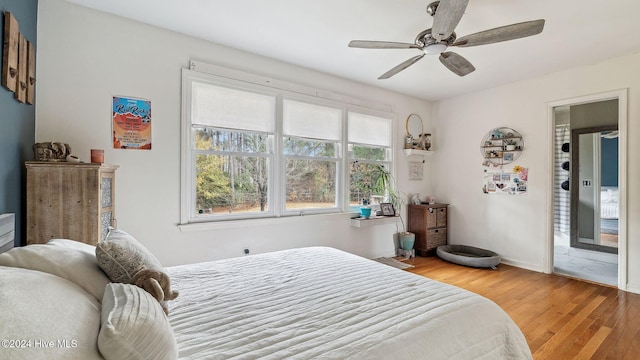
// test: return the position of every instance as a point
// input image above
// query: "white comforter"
(325, 303)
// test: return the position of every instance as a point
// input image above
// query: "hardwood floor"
(561, 318)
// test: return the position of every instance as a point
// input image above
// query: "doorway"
(594, 212)
(587, 236)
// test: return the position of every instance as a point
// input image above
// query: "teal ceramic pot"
(365, 212)
(407, 240)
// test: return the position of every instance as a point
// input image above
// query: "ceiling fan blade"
(456, 63)
(368, 44)
(503, 33)
(447, 16)
(400, 67)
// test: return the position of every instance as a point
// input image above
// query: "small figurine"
(51, 151)
(408, 142)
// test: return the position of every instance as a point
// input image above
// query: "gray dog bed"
(468, 256)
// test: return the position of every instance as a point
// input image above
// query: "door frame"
(621, 95)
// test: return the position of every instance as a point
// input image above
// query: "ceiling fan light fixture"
(434, 49)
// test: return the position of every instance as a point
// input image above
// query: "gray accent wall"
(17, 123)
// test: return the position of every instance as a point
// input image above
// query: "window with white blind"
(311, 137)
(252, 151)
(369, 147)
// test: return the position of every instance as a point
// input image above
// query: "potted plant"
(381, 182)
(510, 144)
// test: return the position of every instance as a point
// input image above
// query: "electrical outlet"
(246, 251)
(586, 183)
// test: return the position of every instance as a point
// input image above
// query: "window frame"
(277, 180)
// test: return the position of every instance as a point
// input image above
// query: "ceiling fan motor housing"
(431, 46)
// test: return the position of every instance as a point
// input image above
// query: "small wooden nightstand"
(429, 223)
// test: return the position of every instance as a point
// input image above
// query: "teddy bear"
(156, 283)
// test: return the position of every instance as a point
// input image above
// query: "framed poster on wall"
(131, 123)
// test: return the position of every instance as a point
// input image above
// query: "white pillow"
(46, 317)
(134, 326)
(72, 244)
(79, 267)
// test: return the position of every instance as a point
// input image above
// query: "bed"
(609, 202)
(303, 303)
(609, 209)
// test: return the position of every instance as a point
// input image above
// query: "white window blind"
(369, 130)
(311, 121)
(224, 107)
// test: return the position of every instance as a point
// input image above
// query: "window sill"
(233, 224)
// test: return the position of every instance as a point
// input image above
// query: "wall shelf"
(501, 146)
(409, 152)
(378, 220)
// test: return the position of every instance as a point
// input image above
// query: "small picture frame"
(387, 209)
(508, 156)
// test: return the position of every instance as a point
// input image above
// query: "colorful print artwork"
(131, 123)
(514, 182)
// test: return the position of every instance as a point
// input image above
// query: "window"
(369, 148)
(311, 147)
(253, 151)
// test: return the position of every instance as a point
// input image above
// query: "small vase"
(407, 240)
(365, 212)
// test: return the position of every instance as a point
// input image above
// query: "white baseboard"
(633, 288)
(523, 265)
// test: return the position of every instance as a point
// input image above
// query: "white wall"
(85, 57)
(517, 226)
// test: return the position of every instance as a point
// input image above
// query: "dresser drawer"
(436, 237)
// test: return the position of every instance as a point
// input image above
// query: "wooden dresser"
(429, 223)
(69, 201)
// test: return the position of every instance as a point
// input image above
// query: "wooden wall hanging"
(18, 62)
(31, 73)
(10, 52)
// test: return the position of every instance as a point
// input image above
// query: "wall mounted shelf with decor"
(410, 152)
(501, 146)
(379, 220)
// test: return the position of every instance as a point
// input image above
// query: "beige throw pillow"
(134, 326)
(121, 256)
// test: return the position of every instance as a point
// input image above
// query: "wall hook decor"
(18, 61)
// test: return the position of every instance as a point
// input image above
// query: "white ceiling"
(315, 34)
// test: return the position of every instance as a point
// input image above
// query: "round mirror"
(414, 126)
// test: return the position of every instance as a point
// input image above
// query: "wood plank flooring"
(561, 318)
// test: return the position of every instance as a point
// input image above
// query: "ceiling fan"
(446, 16)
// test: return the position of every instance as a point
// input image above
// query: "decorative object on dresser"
(97, 156)
(7, 231)
(70, 201)
(51, 151)
(429, 223)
